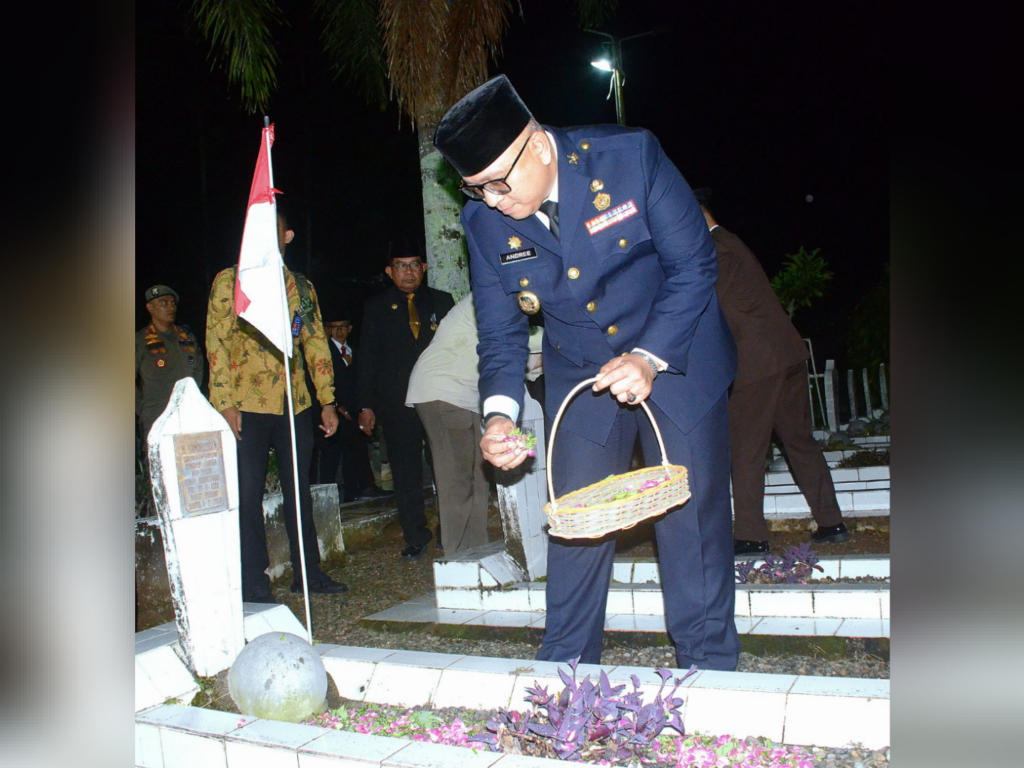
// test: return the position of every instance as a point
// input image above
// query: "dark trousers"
(260, 433)
(404, 434)
(694, 543)
(348, 448)
(776, 402)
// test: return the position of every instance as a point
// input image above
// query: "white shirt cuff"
(662, 365)
(502, 404)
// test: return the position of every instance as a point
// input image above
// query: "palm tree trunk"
(446, 244)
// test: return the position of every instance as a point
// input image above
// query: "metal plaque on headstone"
(200, 464)
(194, 468)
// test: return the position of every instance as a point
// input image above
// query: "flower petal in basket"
(618, 502)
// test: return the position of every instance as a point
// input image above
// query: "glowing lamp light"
(603, 64)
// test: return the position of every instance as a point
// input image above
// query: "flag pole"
(291, 419)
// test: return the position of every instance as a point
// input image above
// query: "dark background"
(766, 103)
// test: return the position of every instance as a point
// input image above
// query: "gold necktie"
(414, 318)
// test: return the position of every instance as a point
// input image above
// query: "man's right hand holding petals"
(494, 448)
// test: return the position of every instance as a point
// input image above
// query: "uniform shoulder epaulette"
(588, 139)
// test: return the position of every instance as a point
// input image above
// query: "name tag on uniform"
(516, 256)
(611, 216)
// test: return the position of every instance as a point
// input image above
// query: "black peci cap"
(481, 125)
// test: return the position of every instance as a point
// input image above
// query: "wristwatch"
(647, 359)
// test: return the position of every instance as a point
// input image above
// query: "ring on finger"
(631, 398)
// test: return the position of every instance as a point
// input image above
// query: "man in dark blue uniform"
(596, 228)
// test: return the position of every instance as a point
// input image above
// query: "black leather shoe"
(414, 551)
(742, 547)
(831, 534)
(325, 585)
(372, 492)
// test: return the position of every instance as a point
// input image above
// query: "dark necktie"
(550, 208)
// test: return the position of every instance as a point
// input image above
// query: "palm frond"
(414, 47)
(354, 47)
(594, 13)
(473, 34)
(240, 33)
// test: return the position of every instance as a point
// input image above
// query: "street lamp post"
(613, 64)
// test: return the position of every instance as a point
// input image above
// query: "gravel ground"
(378, 579)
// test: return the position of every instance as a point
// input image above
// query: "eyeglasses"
(494, 186)
(407, 266)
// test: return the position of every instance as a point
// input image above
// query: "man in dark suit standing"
(398, 325)
(596, 228)
(348, 447)
(769, 392)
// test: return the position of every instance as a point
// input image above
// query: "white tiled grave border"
(160, 675)
(794, 709)
(461, 590)
(471, 573)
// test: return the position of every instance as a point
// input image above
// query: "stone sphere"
(278, 676)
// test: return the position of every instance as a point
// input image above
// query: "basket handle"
(554, 428)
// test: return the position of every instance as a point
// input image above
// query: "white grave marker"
(522, 503)
(194, 469)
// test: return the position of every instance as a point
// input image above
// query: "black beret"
(481, 125)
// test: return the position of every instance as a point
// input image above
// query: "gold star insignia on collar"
(515, 243)
(573, 159)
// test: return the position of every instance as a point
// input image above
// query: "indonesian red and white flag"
(260, 296)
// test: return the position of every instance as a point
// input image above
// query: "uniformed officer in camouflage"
(596, 228)
(164, 354)
(247, 388)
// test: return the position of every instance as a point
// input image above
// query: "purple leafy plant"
(794, 567)
(586, 720)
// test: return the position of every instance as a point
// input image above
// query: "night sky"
(766, 103)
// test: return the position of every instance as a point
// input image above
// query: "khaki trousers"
(462, 487)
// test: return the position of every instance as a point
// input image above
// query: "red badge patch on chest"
(611, 216)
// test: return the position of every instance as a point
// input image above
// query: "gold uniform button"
(524, 282)
(623, 243)
(558, 347)
(612, 330)
(596, 185)
(591, 306)
(585, 146)
(573, 273)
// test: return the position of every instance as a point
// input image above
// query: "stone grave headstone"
(194, 469)
(831, 408)
(853, 395)
(521, 501)
(868, 409)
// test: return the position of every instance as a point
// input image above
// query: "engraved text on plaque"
(200, 462)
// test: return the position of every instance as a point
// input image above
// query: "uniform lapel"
(573, 186)
(531, 229)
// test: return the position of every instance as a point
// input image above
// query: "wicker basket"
(592, 512)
